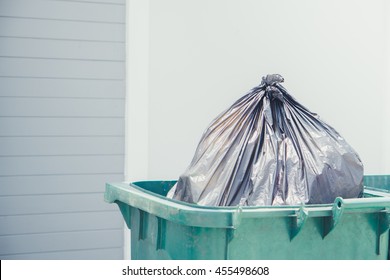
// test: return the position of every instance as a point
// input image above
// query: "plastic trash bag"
(267, 149)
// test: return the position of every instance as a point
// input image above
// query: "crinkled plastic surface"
(267, 149)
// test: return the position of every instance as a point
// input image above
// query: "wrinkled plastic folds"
(267, 149)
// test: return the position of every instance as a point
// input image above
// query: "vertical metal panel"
(62, 99)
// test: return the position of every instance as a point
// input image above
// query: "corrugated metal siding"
(62, 99)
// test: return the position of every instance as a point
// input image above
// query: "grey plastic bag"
(267, 149)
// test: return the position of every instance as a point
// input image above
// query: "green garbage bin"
(163, 228)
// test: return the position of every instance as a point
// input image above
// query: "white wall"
(203, 55)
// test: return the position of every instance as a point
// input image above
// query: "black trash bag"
(267, 149)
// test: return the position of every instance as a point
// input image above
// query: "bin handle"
(341, 206)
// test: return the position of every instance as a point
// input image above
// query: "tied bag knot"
(270, 83)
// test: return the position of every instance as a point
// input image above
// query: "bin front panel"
(164, 229)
